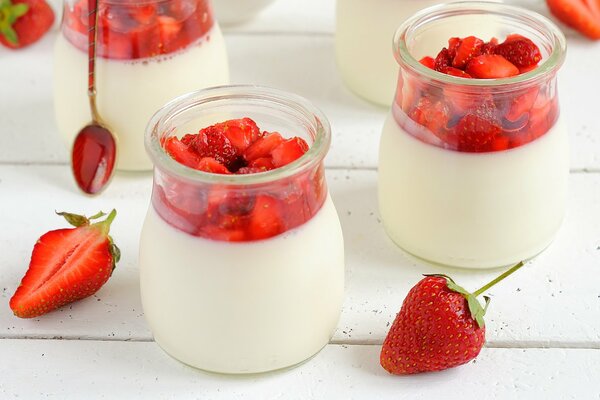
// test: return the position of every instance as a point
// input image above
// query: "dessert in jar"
(231, 12)
(241, 252)
(473, 162)
(363, 39)
(147, 53)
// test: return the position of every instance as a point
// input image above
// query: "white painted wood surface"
(543, 324)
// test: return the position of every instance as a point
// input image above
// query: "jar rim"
(550, 31)
(314, 156)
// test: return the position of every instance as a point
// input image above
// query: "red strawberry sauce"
(129, 30)
(238, 211)
(478, 119)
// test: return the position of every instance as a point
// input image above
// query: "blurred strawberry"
(23, 22)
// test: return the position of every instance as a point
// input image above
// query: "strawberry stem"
(104, 226)
(498, 279)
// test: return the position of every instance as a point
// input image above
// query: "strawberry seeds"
(238, 212)
(478, 119)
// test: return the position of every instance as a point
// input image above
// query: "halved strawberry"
(67, 265)
(468, 48)
(288, 151)
(23, 22)
(263, 146)
(582, 15)
(491, 66)
(521, 52)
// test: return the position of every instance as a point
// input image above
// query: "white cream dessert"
(137, 71)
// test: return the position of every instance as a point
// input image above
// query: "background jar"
(363, 40)
(244, 301)
(148, 52)
(474, 203)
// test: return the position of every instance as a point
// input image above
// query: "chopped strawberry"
(443, 60)
(476, 132)
(489, 47)
(432, 115)
(263, 146)
(428, 62)
(455, 72)
(250, 170)
(491, 66)
(289, 151)
(211, 142)
(209, 164)
(67, 265)
(523, 53)
(263, 164)
(522, 104)
(453, 44)
(23, 22)
(241, 132)
(265, 220)
(181, 152)
(582, 15)
(468, 48)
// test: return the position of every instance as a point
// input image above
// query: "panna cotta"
(473, 163)
(241, 253)
(363, 42)
(148, 52)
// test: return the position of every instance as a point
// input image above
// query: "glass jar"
(241, 273)
(363, 38)
(148, 52)
(490, 194)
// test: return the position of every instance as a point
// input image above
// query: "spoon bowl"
(93, 158)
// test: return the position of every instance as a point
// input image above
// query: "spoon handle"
(92, 39)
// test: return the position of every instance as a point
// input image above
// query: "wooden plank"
(297, 63)
(97, 370)
(552, 302)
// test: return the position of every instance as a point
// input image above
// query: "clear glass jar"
(363, 38)
(492, 196)
(148, 52)
(241, 273)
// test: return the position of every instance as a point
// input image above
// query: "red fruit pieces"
(455, 72)
(67, 265)
(428, 62)
(181, 152)
(209, 164)
(240, 132)
(443, 60)
(491, 66)
(489, 47)
(475, 133)
(212, 142)
(288, 151)
(263, 146)
(23, 22)
(433, 331)
(265, 220)
(468, 48)
(432, 115)
(582, 15)
(521, 52)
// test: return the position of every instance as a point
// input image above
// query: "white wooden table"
(543, 335)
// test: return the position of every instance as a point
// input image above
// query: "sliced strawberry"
(181, 152)
(23, 22)
(241, 132)
(523, 53)
(455, 72)
(443, 60)
(209, 164)
(578, 14)
(468, 48)
(211, 142)
(67, 265)
(491, 66)
(288, 151)
(428, 62)
(266, 220)
(263, 146)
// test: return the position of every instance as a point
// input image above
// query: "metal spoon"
(94, 152)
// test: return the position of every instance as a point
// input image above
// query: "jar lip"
(314, 156)
(550, 30)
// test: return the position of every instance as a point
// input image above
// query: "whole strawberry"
(440, 326)
(23, 22)
(67, 265)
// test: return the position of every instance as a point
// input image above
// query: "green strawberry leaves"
(9, 13)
